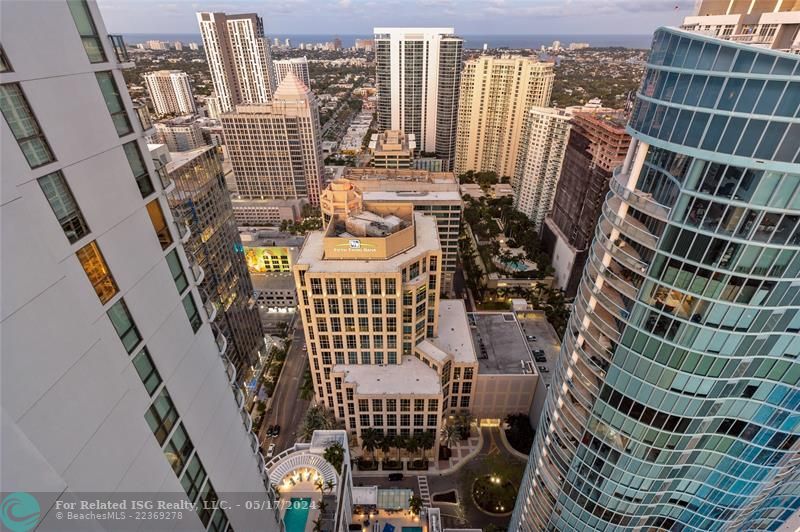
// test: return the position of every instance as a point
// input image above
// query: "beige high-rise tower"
(276, 148)
(170, 92)
(496, 93)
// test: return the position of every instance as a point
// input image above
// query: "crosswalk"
(424, 491)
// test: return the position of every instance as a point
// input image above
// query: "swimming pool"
(412, 529)
(297, 514)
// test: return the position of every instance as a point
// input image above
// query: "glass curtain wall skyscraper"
(675, 403)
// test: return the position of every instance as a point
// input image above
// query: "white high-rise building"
(418, 72)
(276, 148)
(238, 57)
(541, 152)
(194, 46)
(112, 378)
(170, 92)
(178, 45)
(298, 65)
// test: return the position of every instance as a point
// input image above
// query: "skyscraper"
(170, 92)
(418, 72)
(597, 144)
(496, 94)
(541, 152)
(276, 148)
(201, 198)
(298, 65)
(112, 381)
(675, 401)
(239, 58)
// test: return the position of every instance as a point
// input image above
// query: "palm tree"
(318, 525)
(329, 485)
(415, 504)
(386, 443)
(450, 434)
(369, 441)
(464, 422)
(412, 444)
(334, 455)
(426, 441)
(400, 442)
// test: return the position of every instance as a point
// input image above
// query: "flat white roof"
(311, 254)
(411, 377)
(443, 195)
(365, 495)
(454, 332)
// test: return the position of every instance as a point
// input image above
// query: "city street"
(287, 407)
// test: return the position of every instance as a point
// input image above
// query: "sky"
(358, 17)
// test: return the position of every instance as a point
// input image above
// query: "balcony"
(167, 184)
(211, 311)
(629, 226)
(247, 420)
(183, 230)
(197, 272)
(144, 118)
(120, 50)
(639, 200)
(222, 343)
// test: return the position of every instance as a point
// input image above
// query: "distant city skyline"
(359, 16)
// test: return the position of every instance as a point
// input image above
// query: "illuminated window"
(161, 416)
(24, 125)
(97, 271)
(159, 224)
(178, 449)
(113, 99)
(65, 208)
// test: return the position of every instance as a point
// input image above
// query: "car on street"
(276, 430)
(532, 338)
(544, 369)
(394, 477)
(271, 450)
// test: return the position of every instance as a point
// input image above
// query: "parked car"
(394, 477)
(543, 369)
(539, 358)
(532, 338)
(271, 450)
(270, 429)
(276, 430)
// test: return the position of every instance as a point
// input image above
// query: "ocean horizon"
(475, 41)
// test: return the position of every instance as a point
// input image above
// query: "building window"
(465, 401)
(178, 449)
(65, 208)
(24, 125)
(364, 420)
(193, 479)
(87, 30)
(375, 287)
(5, 66)
(176, 269)
(191, 312)
(419, 405)
(147, 371)
(138, 168)
(161, 416)
(431, 420)
(159, 223)
(361, 286)
(219, 523)
(97, 271)
(405, 405)
(113, 98)
(123, 323)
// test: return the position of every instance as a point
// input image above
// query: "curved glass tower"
(676, 400)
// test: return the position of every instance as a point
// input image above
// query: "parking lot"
(534, 324)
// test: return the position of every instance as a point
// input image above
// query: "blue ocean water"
(471, 41)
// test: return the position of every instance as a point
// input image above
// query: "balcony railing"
(167, 184)
(183, 230)
(222, 343)
(211, 312)
(144, 117)
(197, 272)
(120, 50)
(636, 198)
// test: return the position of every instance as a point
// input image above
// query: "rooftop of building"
(267, 237)
(615, 119)
(272, 281)
(392, 142)
(500, 344)
(410, 377)
(367, 223)
(422, 195)
(454, 334)
(366, 177)
(312, 253)
(290, 88)
(184, 120)
(180, 158)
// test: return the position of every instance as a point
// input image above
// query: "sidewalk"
(462, 452)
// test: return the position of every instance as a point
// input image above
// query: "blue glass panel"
(790, 102)
(695, 90)
(763, 64)
(750, 93)
(724, 59)
(784, 66)
(708, 56)
(790, 144)
(693, 54)
(769, 142)
(711, 92)
(715, 130)
(744, 61)
(769, 97)
(680, 53)
(680, 88)
(696, 129)
(751, 137)
(730, 93)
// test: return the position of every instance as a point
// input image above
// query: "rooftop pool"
(294, 520)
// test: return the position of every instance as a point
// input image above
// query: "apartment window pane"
(161, 416)
(114, 103)
(176, 269)
(123, 323)
(219, 523)
(86, 29)
(159, 223)
(24, 126)
(147, 371)
(208, 498)
(193, 479)
(63, 203)
(178, 449)
(97, 271)
(191, 312)
(138, 168)
(5, 66)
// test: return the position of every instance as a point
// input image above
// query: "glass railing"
(641, 201)
(163, 176)
(183, 230)
(144, 117)
(197, 272)
(211, 311)
(120, 50)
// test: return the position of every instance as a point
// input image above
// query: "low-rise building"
(274, 292)
(392, 149)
